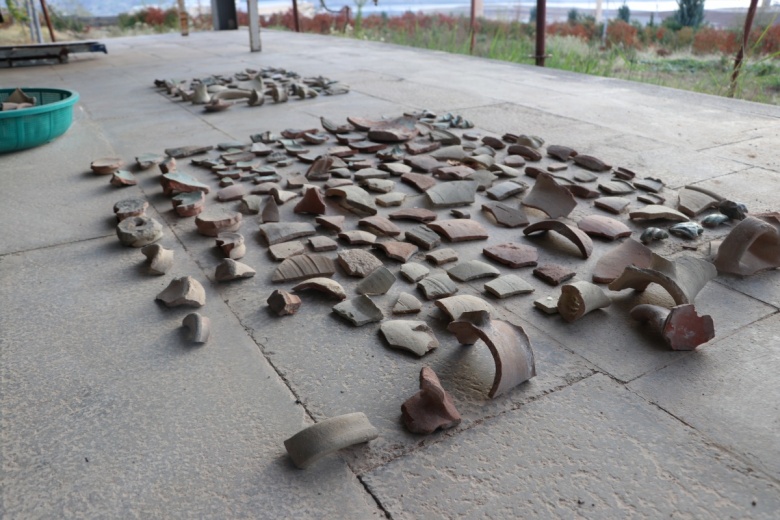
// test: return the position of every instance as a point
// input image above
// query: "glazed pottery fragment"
(455, 306)
(357, 237)
(688, 230)
(414, 272)
(682, 278)
(681, 327)
(751, 246)
(579, 298)
(591, 163)
(657, 212)
(508, 343)
(377, 282)
(553, 274)
(315, 442)
(614, 205)
(354, 199)
(437, 286)
(400, 251)
(159, 259)
(508, 285)
(459, 230)
(410, 335)
(653, 233)
(304, 266)
(714, 220)
(603, 227)
(547, 304)
(358, 263)
(549, 196)
(123, 178)
(472, 270)
(324, 285)
(183, 291)
(106, 165)
(132, 207)
(577, 237)
(379, 226)
(512, 254)
(278, 232)
(285, 250)
(198, 327)
(561, 153)
(407, 304)
(282, 303)
(423, 236)
(733, 210)
(139, 231)
(230, 269)
(442, 256)
(270, 211)
(332, 223)
(612, 264)
(359, 311)
(430, 409)
(505, 215)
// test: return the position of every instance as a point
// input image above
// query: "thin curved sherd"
(232, 244)
(315, 442)
(300, 267)
(694, 200)
(160, 260)
(354, 199)
(431, 408)
(437, 286)
(471, 270)
(612, 263)
(412, 335)
(452, 194)
(657, 212)
(681, 328)
(549, 196)
(577, 237)
(359, 311)
(682, 278)
(183, 291)
(509, 345)
(198, 327)
(459, 229)
(378, 281)
(579, 298)
(278, 232)
(751, 247)
(455, 306)
(325, 285)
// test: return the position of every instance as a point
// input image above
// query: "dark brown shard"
(187, 151)
(591, 163)
(549, 196)
(577, 237)
(167, 165)
(694, 200)
(681, 328)
(358, 237)
(624, 173)
(416, 214)
(312, 203)
(460, 213)
(283, 303)
(493, 142)
(232, 244)
(400, 251)
(423, 163)
(512, 254)
(431, 408)
(359, 263)
(561, 153)
(614, 205)
(300, 267)
(324, 285)
(733, 210)
(423, 236)
(458, 172)
(333, 223)
(379, 226)
(419, 181)
(394, 130)
(553, 274)
(583, 192)
(526, 152)
(452, 194)
(459, 230)
(418, 147)
(603, 227)
(533, 171)
(612, 264)
(649, 184)
(505, 215)
(320, 168)
(278, 232)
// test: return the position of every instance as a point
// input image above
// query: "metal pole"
(473, 16)
(541, 24)
(741, 52)
(48, 20)
(295, 16)
(254, 27)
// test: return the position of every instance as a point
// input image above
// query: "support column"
(254, 27)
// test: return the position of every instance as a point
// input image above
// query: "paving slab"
(591, 450)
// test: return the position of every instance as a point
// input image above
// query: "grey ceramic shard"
(198, 327)
(504, 190)
(132, 207)
(694, 200)
(411, 335)
(390, 199)
(354, 199)
(612, 263)
(320, 243)
(229, 269)
(312, 443)
(278, 232)
(437, 286)
(357, 262)
(472, 270)
(359, 311)
(682, 278)
(452, 194)
(139, 231)
(423, 236)
(548, 196)
(547, 304)
(285, 250)
(508, 285)
(159, 259)
(407, 304)
(378, 282)
(300, 267)
(442, 256)
(506, 215)
(577, 237)
(579, 298)
(414, 272)
(183, 291)
(455, 306)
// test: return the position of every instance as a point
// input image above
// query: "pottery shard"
(400, 251)
(423, 163)
(414, 272)
(682, 278)
(460, 213)
(214, 221)
(189, 204)
(106, 165)
(229, 269)
(442, 256)
(512, 254)
(359, 311)
(396, 168)
(285, 250)
(278, 232)
(549, 196)
(505, 215)
(139, 231)
(694, 200)
(612, 264)
(365, 174)
(472, 270)
(132, 207)
(354, 199)
(334, 223)
(504, 190)
(419, 181)
(177, 182)
(183, 291)
(508, 344)
(315, 442)
(234, 192)
(270, 211)
(617, 187)
(320, 168)
(614, 205)
(604, 227)
(455, 306)
(526, 152)
(459, 230)
(300, 267)
(453, 173)
(379, 226)
(187, 151)
(358, 263)
(547, 304)
(508, 285)
(159, 259)
(416, 214)
(378, 185)
(577, 237)
(579, 298)
(283, 303)
(437, 286)
(681, 328)
(357, 237)
(656, 212)
(391, 199)
(251, 204)
(562, 153)
(649, 184)
(394, 130)
(282, 196)
(319, 244)
(751, 247)
(407, 304)
(378, 281)
(312, 203)
(452, 194)
(198, 327)
(231, 244)
(324, 285)
(591, 163)
(553, 274)
(123, 178)
(410, 335)
(423, 236)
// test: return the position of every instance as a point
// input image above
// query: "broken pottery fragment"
(106, 165)
(304, 266)
(681, 328)
(612, 264)
(366, 174)
(549, 196)
(379, 225)
(198, 327)
(270, 211)
(177, 182)
(442, 256)
(159, 259)
(508, 343)
(653, 233)
(278, 232)
(460, 213)
(584, 176)
(285, 250)
(414, 272)
(553, 274)
(390, 199)
(354, 199)
(377, 282)
(453, 173)
(682, 278)
(324, 285)
(455, 306)
(472, 270)
(183, 291)
(650, 198)
(694, 200)
(282, 196)
(733, 210)
(359, 311)
(378, 185)
(430, 409)
(504, 190)
(358, 263)
(459, 230)
(512, 254)
(283, 303)
(479, 161)
(555, 168)
(526, 152)
(251, 204)
(315, 442)
(400, 251)
(505, 215)
(189, 204)
(579, 298)
(395, 168)
(649, 184)
(214, 221)
(319, 169)
(334, 223)
(139, 231)
(416, 214)
(234, 192)
(617, 187)
(418, 147)
(561, 153)
(319, 244)
(452, 194)
(624, 173)
(312, 203)
(657, 212)
(688, 230)
(187, 151)
(437, 286)
(714, 220)
(503, 170)
(423, 236)
(419, 181)
(395, 130)
(603, 227)
(591, 163)
(132, 207)
(547, 304)
(230, 269)
(357, 237)
(232, 244)
(577, 237)
(123, 178)
(508, 285)
(410, 335)
(407, 304)
(533, 141)
(614, 205)
(751, 246)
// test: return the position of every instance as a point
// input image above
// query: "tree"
(690, 13)
(624, 13)
(532, 15)
(573, 16)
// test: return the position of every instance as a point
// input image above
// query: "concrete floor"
(108, 412)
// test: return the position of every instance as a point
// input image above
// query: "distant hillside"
(112, 7)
